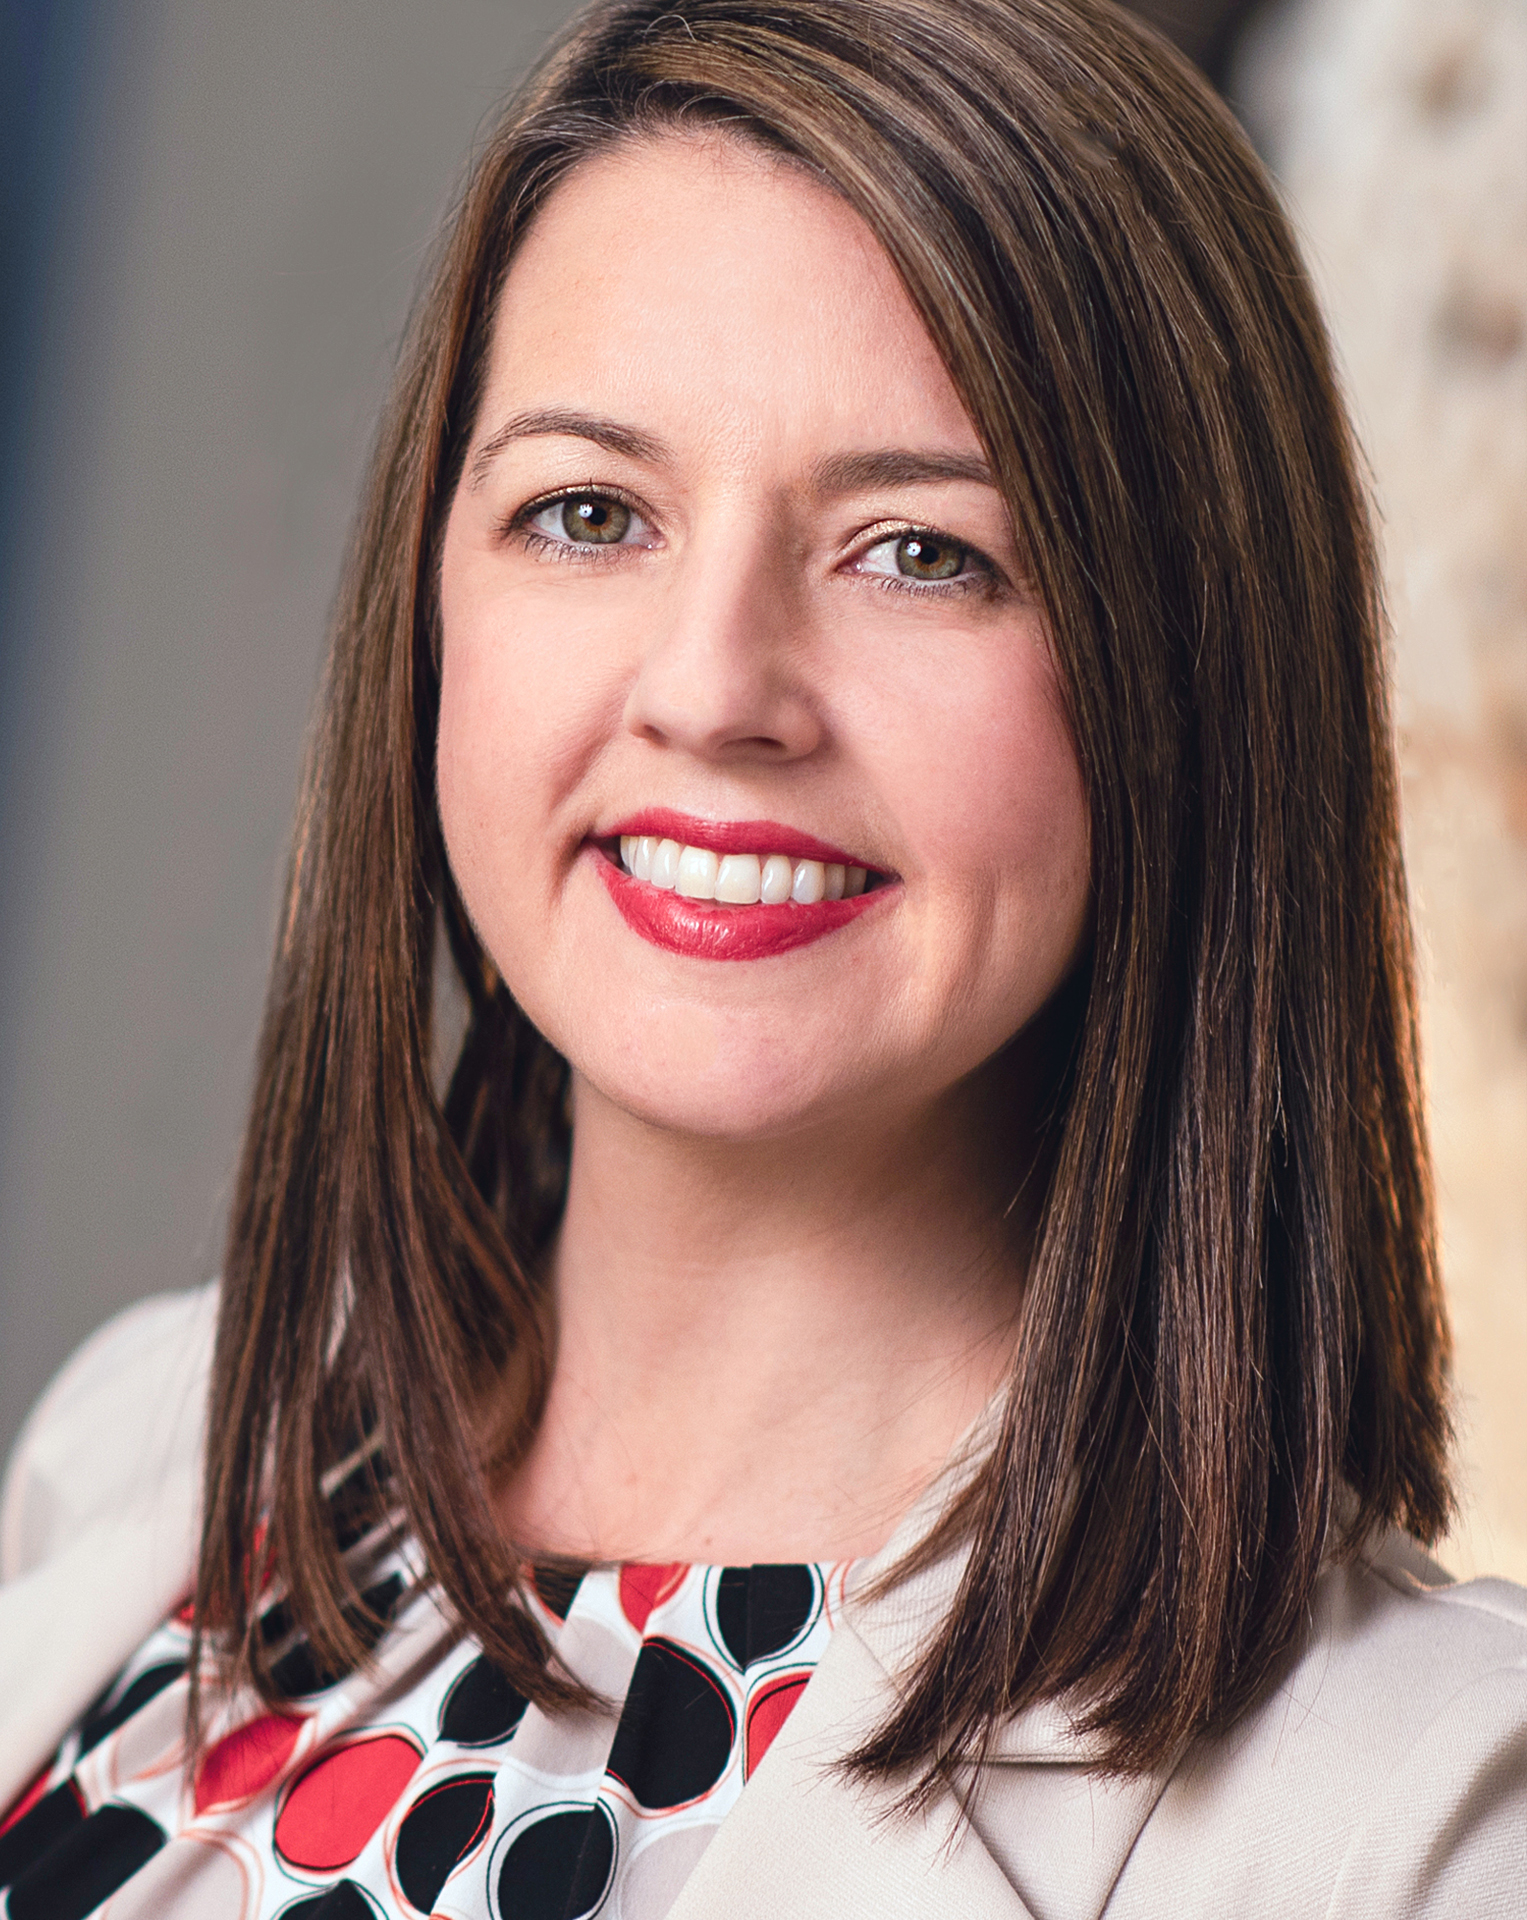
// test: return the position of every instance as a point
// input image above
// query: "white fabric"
(1386, 1775)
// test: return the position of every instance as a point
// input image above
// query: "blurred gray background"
(211, 221)
(214, 218)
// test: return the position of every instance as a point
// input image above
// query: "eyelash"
(518, 527)
(984, 577)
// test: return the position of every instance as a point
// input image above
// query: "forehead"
(703, 276)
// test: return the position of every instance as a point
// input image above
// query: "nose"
(721, 677)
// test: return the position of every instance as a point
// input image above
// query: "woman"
(913, 1256)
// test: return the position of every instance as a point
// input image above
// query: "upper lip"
(734, 836)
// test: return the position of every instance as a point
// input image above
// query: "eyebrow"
(568, 424)
(838, 473)
(898, 467)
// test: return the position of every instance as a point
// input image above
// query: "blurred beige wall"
(1399, 130)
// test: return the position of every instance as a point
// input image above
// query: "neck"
(765, 1350)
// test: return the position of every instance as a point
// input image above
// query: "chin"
(709, 1089)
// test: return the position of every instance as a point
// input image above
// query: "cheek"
(999, 807)
(526, 706)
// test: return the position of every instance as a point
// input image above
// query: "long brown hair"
(1233, 1311)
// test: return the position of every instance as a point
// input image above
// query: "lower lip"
(701, 931)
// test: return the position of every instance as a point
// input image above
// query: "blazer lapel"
(804, 1844)
(1034, 1834)
(1059, 1831)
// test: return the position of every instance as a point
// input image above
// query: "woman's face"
(725, 569)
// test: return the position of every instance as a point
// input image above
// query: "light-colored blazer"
(1385, 1776)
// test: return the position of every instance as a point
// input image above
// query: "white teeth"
(774, 882)
(697, 873)
(738, 879)
(665, 865)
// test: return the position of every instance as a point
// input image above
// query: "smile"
(733, 890)
(738, 879)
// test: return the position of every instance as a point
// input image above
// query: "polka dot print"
(334, 1807)
(443, 1827)
(426, 1785)
(245, 1761)
(642, 1588)
(481, 1708)
(86, 1865)
(760, 1611)
(676, 1731)
(558, 1864)
(343, 1901)
(769, 1709)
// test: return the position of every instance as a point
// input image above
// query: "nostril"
(676, 704)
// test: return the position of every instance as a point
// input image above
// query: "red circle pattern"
(644, 1588)
(770, 1708)
(244, 1762)
(336, 1806)
(359, 1796)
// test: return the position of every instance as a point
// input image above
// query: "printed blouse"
(425, 1784)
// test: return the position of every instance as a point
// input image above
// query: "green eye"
(592, 518)
(928, 556)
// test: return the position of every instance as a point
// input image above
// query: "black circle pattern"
(481, 1707)
(762, 1610)
(535, 1840)
(343, 1901)
(440, 1829)
(556, 1586)
(676, 1728)
(45, 1824)
(87, 1866)
(557, 1867)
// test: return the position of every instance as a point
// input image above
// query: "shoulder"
(125, 1413)
(98, 1517)
(1385, 1773)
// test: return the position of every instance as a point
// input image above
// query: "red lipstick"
(704, 932)
(700, 930)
